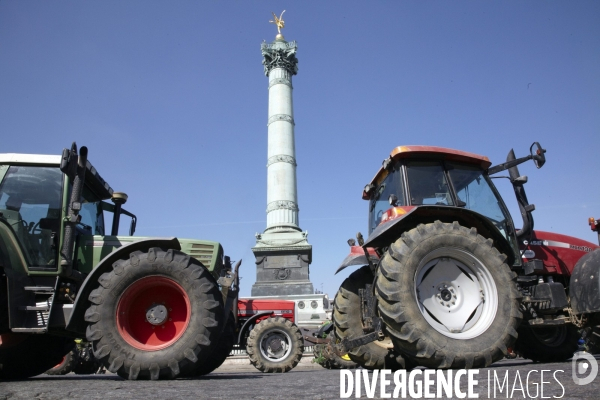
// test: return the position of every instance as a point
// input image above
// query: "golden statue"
(279, 22)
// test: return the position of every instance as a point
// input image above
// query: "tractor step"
(39, 289)
(29, 330)
(37, 308)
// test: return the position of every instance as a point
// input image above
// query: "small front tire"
(551, 344)
(275, 345)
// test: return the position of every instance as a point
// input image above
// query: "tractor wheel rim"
(60, 363)
(456, 293)
(134, 313)
(275, 345)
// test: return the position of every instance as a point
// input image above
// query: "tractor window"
(92, 217)
(472, 188)
(428, 184)
(30, 202)
(380, 202)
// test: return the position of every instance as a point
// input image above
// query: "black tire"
(221, 350)
(87, 364)
(553, 344)
(67, 364)
(457, 254)
(175, 286)
(592, 339)
(275, 345)
(348, 324)
(332, 360)
(26, 355)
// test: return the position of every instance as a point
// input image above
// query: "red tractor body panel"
(559, 252)
(247, 308)
(357, 257)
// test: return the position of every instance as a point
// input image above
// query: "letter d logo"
(581, 364)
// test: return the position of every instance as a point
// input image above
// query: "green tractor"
(152, 308)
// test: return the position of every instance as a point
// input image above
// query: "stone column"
(282, 251)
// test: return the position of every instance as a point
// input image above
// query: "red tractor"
(591, 333)
(448, 281)
(266, 329)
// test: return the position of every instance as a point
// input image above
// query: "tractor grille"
(202, 252)
(210, 254)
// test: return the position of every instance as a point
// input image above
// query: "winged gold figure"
(279, 22)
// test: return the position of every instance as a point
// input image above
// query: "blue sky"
(171, 100)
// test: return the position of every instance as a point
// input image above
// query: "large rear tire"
(591, 335)
(155, 315)
(348, 325)
(26, 355)
(332, 361)
(447, 297)
(221, 351)
(553, 344)
(67, 364)
(275, 345)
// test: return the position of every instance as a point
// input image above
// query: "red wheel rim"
(60, 363)
(144, 294)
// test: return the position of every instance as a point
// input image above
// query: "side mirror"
(132, 226)
(539, 159)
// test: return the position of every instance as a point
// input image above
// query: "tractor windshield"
(473, 188)
(428, 184)
(30, 202)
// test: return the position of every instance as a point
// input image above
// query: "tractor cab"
(34, 202)
(421, 184)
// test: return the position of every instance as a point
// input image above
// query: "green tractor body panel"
(95, 248)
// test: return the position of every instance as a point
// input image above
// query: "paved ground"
(308, 381)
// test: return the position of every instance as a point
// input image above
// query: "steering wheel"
(36, 230)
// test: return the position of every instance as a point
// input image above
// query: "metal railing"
(237, 351)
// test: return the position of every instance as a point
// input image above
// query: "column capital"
(280, 54)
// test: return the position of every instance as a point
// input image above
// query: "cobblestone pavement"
(308, 381)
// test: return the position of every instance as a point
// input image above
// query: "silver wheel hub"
(275, 345)
(157, 314)
(452, 288)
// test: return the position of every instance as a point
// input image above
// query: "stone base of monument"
(282, 266)
(281, 289)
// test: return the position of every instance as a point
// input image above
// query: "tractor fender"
(387, 232)
(76, 322)
(357, 257)
(584, 288)
(250, 322)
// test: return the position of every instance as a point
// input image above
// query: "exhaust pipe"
(74, 167)
(524, 207)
